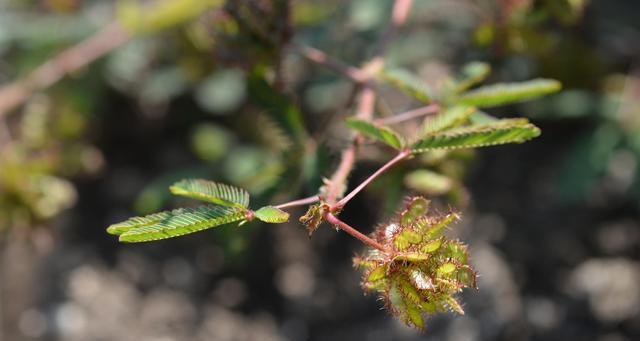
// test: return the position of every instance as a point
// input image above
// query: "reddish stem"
(321, 58)
(350, 230)
(299, 202)
(407, 115)
(401, 156)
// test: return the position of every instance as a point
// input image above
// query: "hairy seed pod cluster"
(421, 270)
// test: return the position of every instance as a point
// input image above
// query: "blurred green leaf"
(428, 182)
(210, 142)
(407, 83)
(223, 91)
(141, 18)
(471, 74)
(382, 133)
(504, 93)
(446, 119)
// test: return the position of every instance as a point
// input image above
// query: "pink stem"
(350, 230)
(321, 58)
(299, 202)
(401, 156)
(407, 115)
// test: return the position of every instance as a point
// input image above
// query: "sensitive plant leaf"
(471, 74)
(498, 94)
(134, 222)
(270, 133)
(270, 214)
(407, 83)
(480, 117)
(213, 192)
(499, 132)
(449, 118)
(182, 221)
(380, 133)
(280, 107)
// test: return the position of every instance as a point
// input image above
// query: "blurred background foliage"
(214, 89)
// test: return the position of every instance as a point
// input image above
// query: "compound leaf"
(449, 118)
(499, 132)
(213, 192)
(380, 133)
(472, 74)
(271, 214)
(407, 83)
(503, 93)
(176, 223)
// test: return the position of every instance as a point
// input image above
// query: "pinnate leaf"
(213, 192)
(270, 214)
(503, 93)
(380, 133)
(472, 74)
(498, 132)
(449, 118)
(176, 223)
(407, 83)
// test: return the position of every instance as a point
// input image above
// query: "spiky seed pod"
(422, 270)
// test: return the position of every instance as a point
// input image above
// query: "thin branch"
(321, 58)
(66, 62)
(411, 114)
(300, 202)
(401, 156)
(347, 161)
(330, 218)
(367, 99)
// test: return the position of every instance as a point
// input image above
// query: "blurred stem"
(330, 218)
(319, 57)
(401, 156)
(411, 114)
(300, 202)
(66, 62)
(367, 98)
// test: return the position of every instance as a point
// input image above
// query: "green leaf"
(401, 304)
(134, 222)
(498, 94)
(382, 133)
(446, 268)
(418, 207)
(435, 228)
(472, 74)
(213, 192)
(178, 222)
(140, 19)
(428, 182)
(499, 132)
(450, 118)
(407, 83)
(480, 117)
(271, 214)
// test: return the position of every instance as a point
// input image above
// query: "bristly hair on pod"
(422, 270)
